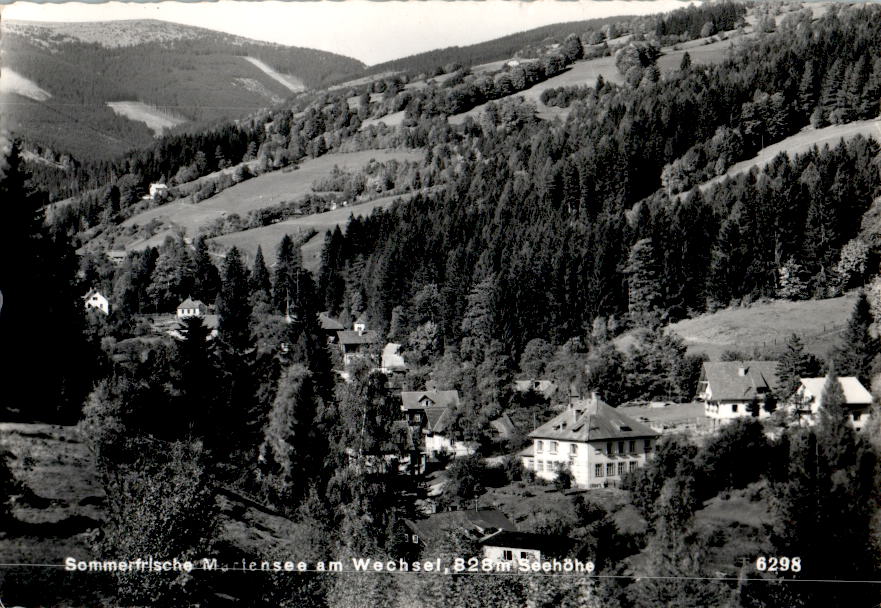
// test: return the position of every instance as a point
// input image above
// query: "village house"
(494, 533)
(808, 399)
(157, 189)
(359, 343)
(735, 389)
(95, 299)
(191, 308)
(432, 412)
(329, 326)
(596, 442)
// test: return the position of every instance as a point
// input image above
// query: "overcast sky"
(370, 31)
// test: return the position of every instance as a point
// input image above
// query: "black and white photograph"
(440, 304)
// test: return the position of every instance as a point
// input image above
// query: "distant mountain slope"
(194, 74)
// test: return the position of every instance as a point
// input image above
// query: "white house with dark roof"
(358, 345)
(95, 299)
(808, 400)
(191, 308)
(595, 441)
(736, 389)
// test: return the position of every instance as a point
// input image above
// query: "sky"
(370, 31)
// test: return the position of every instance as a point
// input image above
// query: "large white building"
(95, 299)
(595, 441)
(808, 400)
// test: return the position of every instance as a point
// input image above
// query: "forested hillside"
(191, 74)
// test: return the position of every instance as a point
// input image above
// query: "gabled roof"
(439, 418)
(591, 420)
(484, 521)
(740, 380)
(503, 426)
(854, 391)
(414, 399)
(93, 292)
(357, 337)
(328, 323)
(191, 303)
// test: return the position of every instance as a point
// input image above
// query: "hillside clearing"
(765, 325)
(155, 119)
(802, 142)
(13, 82)
(268, 237)
(266, 190)
(395, 119)
(291, 83)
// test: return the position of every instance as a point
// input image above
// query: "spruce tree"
(793, 365)
(206, 278)
(261, 283)
(233, 303)
(643, 282)
(858, 349)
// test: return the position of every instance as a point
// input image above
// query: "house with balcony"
(808, 399)
(596, 442)
(737, 389)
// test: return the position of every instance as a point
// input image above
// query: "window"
(648, 446)
(633, 465)
(507, 555)
(573, 449)
(415, 539)
(609, 447)
(597, 470)
(622, 468)
(539, 465)
(620, 447)
(554, 447)
(733, 407)
(632, 446)
(610, 469)
(857, 416)
(524, 555)
(539, 446)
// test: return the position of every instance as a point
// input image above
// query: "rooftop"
(854, 391)
(591, 420)
(421, 399)
(357, 337)
(740, 380)
(328, 323)
(482, 521)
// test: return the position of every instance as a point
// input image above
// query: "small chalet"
(95, 299)
(157, 189)
(360, 343)
(432, 412)
(329, 326)
(808, 400)
(734, 389)
(491, 529)
(191, 308)
(597, 443)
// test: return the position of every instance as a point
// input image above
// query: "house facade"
(432, 412)
(191, 308)
(737, 389)
(95, 299)
(596, 442)
(808, 399)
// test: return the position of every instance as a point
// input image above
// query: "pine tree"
(286, 282)
(194, 379)
(858, 350)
